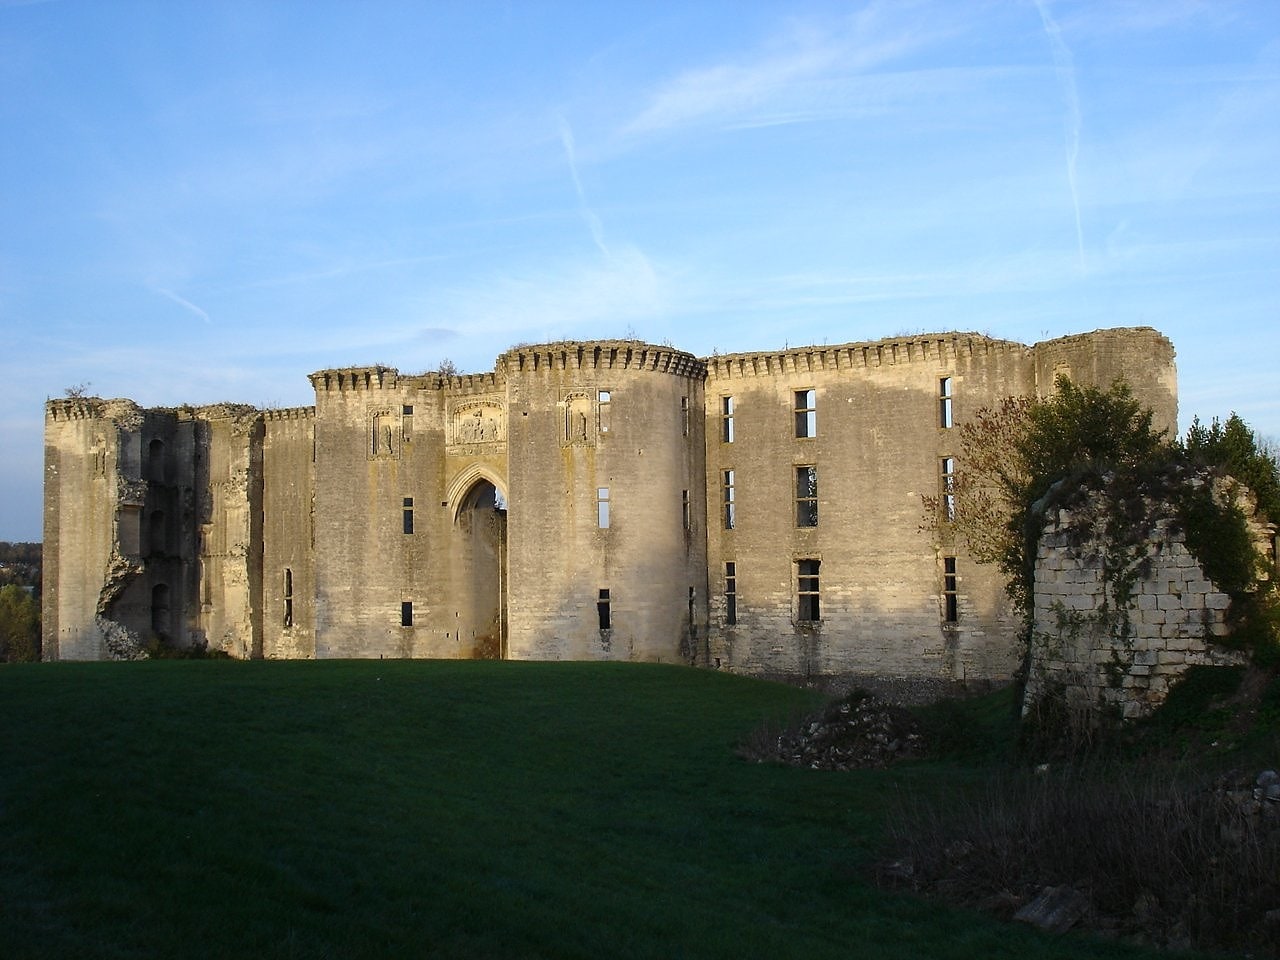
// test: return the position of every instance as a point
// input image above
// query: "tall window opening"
(808, 609)
(947, 475)
(693, 623)
(288, 597)
(726, 419)
(730, 592)
(950, 592)
(684, 416)
(408, 515)
(730, 505)
(406, 421)
(686, 510)
(160, 610)
(806, 413)
(157, 534)
(602, 609)
(602, 507)
(944, 403)
(406, 613)
(806, 496)
(603, 419)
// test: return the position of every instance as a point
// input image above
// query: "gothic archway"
(480, 571)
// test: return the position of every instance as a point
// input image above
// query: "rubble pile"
(855, 731)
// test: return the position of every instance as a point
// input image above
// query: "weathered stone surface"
(1056, 909)
(440, 515)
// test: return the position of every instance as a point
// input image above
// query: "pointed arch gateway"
(477, 503)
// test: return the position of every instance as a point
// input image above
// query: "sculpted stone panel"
(578, 421)
(477, 420)
(383, 435)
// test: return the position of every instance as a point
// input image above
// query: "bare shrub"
(1161, 858)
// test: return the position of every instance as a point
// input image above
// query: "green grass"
(443, 809)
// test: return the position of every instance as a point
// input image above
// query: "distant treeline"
(20, 564)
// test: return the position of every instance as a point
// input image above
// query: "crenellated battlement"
(348, 379)
(602, 355)
(935, 349)
(290, 413)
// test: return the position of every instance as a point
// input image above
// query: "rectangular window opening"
(602, 507)
(406, 613)
(684, 416)
(407, 517)
(944, 403)
(730, 505)
(602, 609)
(806, 413)
(950, 592)
(288, 597)
(686, 510)
(726, 419)
(806, 496)
(731, 592)
(947, 474)
(808, 609)
(603, 419)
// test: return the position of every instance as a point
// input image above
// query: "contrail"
(1065, 67)
(183, 303)
(593, 222)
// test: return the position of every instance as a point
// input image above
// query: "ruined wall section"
(93, 500)
(1115, 626)
(607, 549)
(1141, 356)
(288, 534)
(226, 455)
(878, 439)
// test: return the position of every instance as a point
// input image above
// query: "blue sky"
(207, 201)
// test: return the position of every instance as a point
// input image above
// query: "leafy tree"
(1234, 448)
(19, 625)
(1011, 455)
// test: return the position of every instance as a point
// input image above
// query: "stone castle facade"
(759, 512)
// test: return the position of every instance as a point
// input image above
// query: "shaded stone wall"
(1116, 626)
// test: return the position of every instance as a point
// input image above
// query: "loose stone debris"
(854, 732)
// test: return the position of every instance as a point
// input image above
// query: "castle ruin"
(605, 500)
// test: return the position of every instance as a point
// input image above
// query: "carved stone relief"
(382, 435)
(578, 422)
(477, 420)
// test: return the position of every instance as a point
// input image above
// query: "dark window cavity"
(408, 515)
(806, 496)
(730, 505)
(807, 607)
(950, 593)
(730, 592)
(602, 609)
(726, 419)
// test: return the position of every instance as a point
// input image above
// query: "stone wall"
(570, 504)
(1116, 625)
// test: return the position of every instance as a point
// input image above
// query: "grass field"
(443, 809)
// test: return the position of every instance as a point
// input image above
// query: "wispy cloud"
(549, 300)
(183, 302)
(1065, 67)
(589, 215)
(762, 89)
